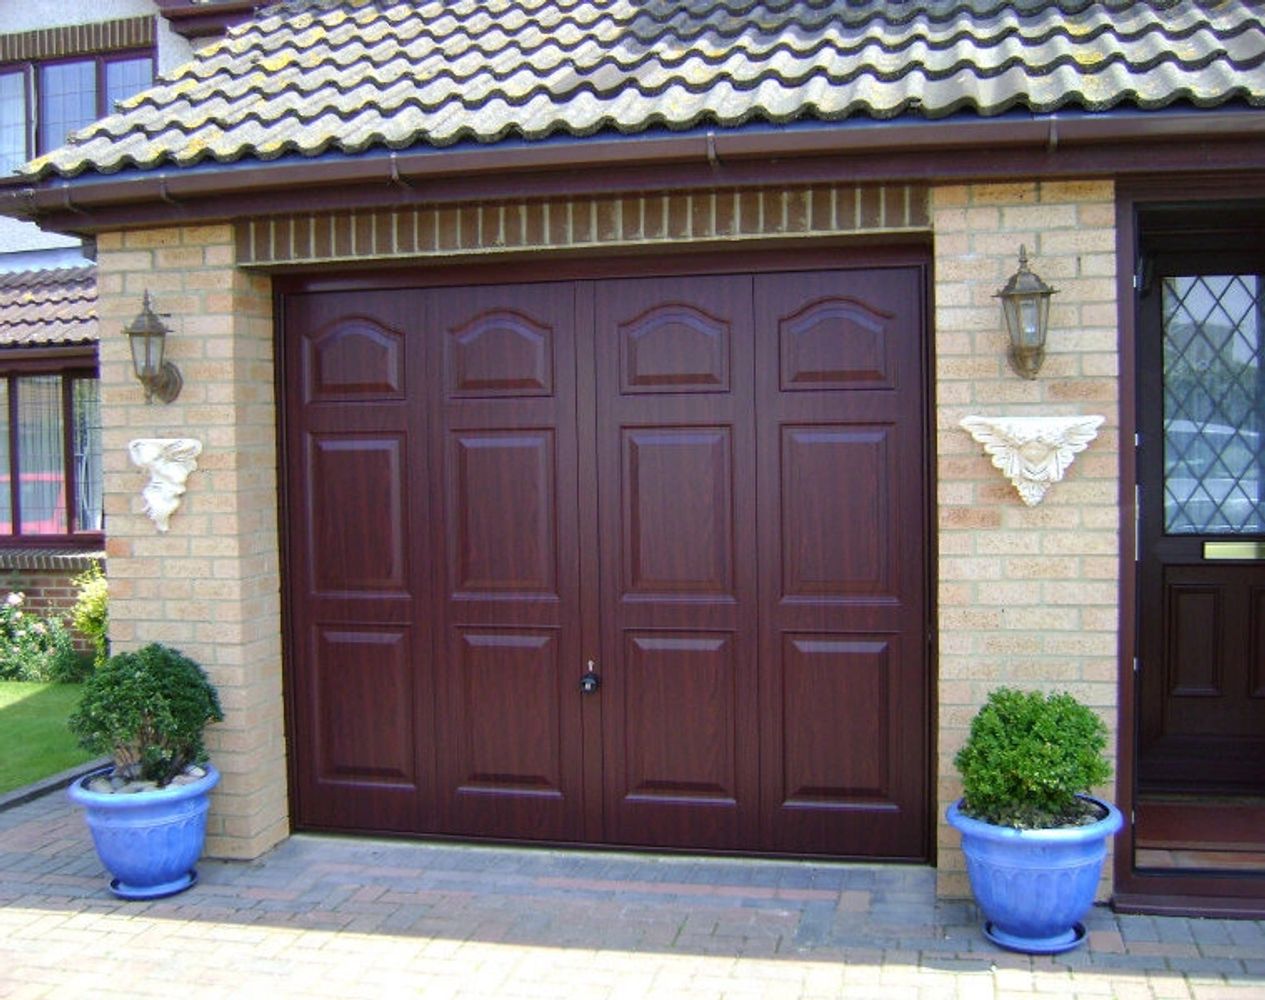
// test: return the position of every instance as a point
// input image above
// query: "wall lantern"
(148, 336)
(1025, 301)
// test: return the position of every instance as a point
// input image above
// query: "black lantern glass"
(1025, 301)
(148, 337)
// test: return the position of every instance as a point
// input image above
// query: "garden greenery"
(34, 648)
(1027, 758)
(147, 709)
(90, 614)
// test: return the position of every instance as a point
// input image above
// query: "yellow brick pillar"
(210, 585)
(1027, 596)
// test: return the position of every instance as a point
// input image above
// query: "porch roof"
(313, 77)
(43, 308)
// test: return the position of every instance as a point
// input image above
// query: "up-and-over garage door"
(704, 492)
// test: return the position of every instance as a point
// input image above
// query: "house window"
(12, 121)
(41, 103)
(50, 455)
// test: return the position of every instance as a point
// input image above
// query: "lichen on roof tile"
(309, 76)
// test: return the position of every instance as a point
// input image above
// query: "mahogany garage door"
(635, 562)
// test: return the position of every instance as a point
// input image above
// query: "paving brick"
(333, 917)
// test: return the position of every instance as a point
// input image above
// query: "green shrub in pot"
(147, 814)
(147, 709)
(1027, 759)
(1033, 837)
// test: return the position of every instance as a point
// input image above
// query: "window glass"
(41, 458)
(125, 77)
(68, 100)
(1214, 404)
(12, 121)
(86, 440)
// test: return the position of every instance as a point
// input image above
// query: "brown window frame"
(37, 142)
(70, 364)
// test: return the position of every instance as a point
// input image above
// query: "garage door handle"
(591, 680)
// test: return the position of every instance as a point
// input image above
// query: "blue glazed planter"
(1033, 886)
(149, 841)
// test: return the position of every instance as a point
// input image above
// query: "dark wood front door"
(1202, 525)
(705, 490)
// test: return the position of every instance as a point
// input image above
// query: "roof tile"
(308, 76)
(48, 307)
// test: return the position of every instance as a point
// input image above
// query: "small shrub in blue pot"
(1033, 836)
(147, 812)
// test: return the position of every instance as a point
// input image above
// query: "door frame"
(1211, 894)
(902, 250)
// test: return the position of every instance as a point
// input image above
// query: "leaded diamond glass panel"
(86, 440)
(1214, 400)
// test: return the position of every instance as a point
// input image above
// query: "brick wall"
(47, 580)
(210, 585)
(1027, 596)
(47, 592)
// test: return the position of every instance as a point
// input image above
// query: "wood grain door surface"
(1201, 573)
(706, 489)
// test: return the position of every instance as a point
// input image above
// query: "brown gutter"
(1044, 145)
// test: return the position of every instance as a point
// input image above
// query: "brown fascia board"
(203, 20)
(1132, 144)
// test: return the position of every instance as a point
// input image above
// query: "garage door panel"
(841, 534)
(847, 772)
(510, 692)
(499, 353)
(356, 534)
(674, 427)
(363, 768)
(365, 686)
(679, 702)
(353, 358)
(505, 754)
(678, 513)
(502, 516)
(836, 526)
(836, 708)
(502, 413)
(835, 343)
(358, 663)
(683, 766)
(674, 347)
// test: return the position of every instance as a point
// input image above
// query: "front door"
(705, 491)
(1202, 525)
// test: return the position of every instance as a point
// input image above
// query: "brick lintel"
(720, 217)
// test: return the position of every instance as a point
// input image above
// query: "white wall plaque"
(169, 462)
(1033, 452)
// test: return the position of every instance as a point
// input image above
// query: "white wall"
(28, 15)
(17, 235)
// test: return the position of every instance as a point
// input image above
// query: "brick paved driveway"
(335, 917)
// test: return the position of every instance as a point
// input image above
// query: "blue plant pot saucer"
(159, 891)
(1036, 946)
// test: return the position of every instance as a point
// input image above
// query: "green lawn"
(34, 740)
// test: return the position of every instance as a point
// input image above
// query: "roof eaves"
(78, 196)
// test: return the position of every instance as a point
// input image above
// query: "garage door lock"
(591, 681)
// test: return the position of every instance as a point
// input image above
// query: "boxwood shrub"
(147, 709)
(1028, 756)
